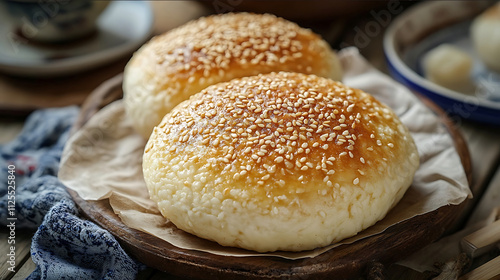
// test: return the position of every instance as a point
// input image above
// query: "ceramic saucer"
(122, 28)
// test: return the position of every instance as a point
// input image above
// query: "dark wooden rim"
(343, 262)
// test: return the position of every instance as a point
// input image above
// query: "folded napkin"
(64, 245)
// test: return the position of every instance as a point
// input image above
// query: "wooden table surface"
(18, 96)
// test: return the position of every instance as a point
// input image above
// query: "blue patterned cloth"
(64, 246)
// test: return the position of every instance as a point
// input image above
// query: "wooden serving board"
(362, 258)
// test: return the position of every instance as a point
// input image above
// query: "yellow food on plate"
(450, 67)
(485, 32)
(278, 161)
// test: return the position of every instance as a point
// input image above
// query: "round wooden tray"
(343, 262)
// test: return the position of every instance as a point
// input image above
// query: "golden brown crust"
(272, 129)
(179, 63)
(281, 161)
(212, 45)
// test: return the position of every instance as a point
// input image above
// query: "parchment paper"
(103, 161)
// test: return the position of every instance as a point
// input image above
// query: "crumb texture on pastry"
(281, 161)
(173, 66)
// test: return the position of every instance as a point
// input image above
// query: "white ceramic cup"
(53, 21)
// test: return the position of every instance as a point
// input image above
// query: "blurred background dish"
(52, 21)
(412, 38)
(121, 29)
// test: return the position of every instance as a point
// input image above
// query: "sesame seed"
(309, 117)
(272, 169)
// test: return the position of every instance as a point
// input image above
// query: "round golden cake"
(279, 161)
(175, 65)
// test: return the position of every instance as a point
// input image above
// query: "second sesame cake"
(173, 66)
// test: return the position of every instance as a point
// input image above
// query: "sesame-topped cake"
(280, 161)
(175, 65)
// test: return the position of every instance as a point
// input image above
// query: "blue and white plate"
(122, 28)
(427, 25)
